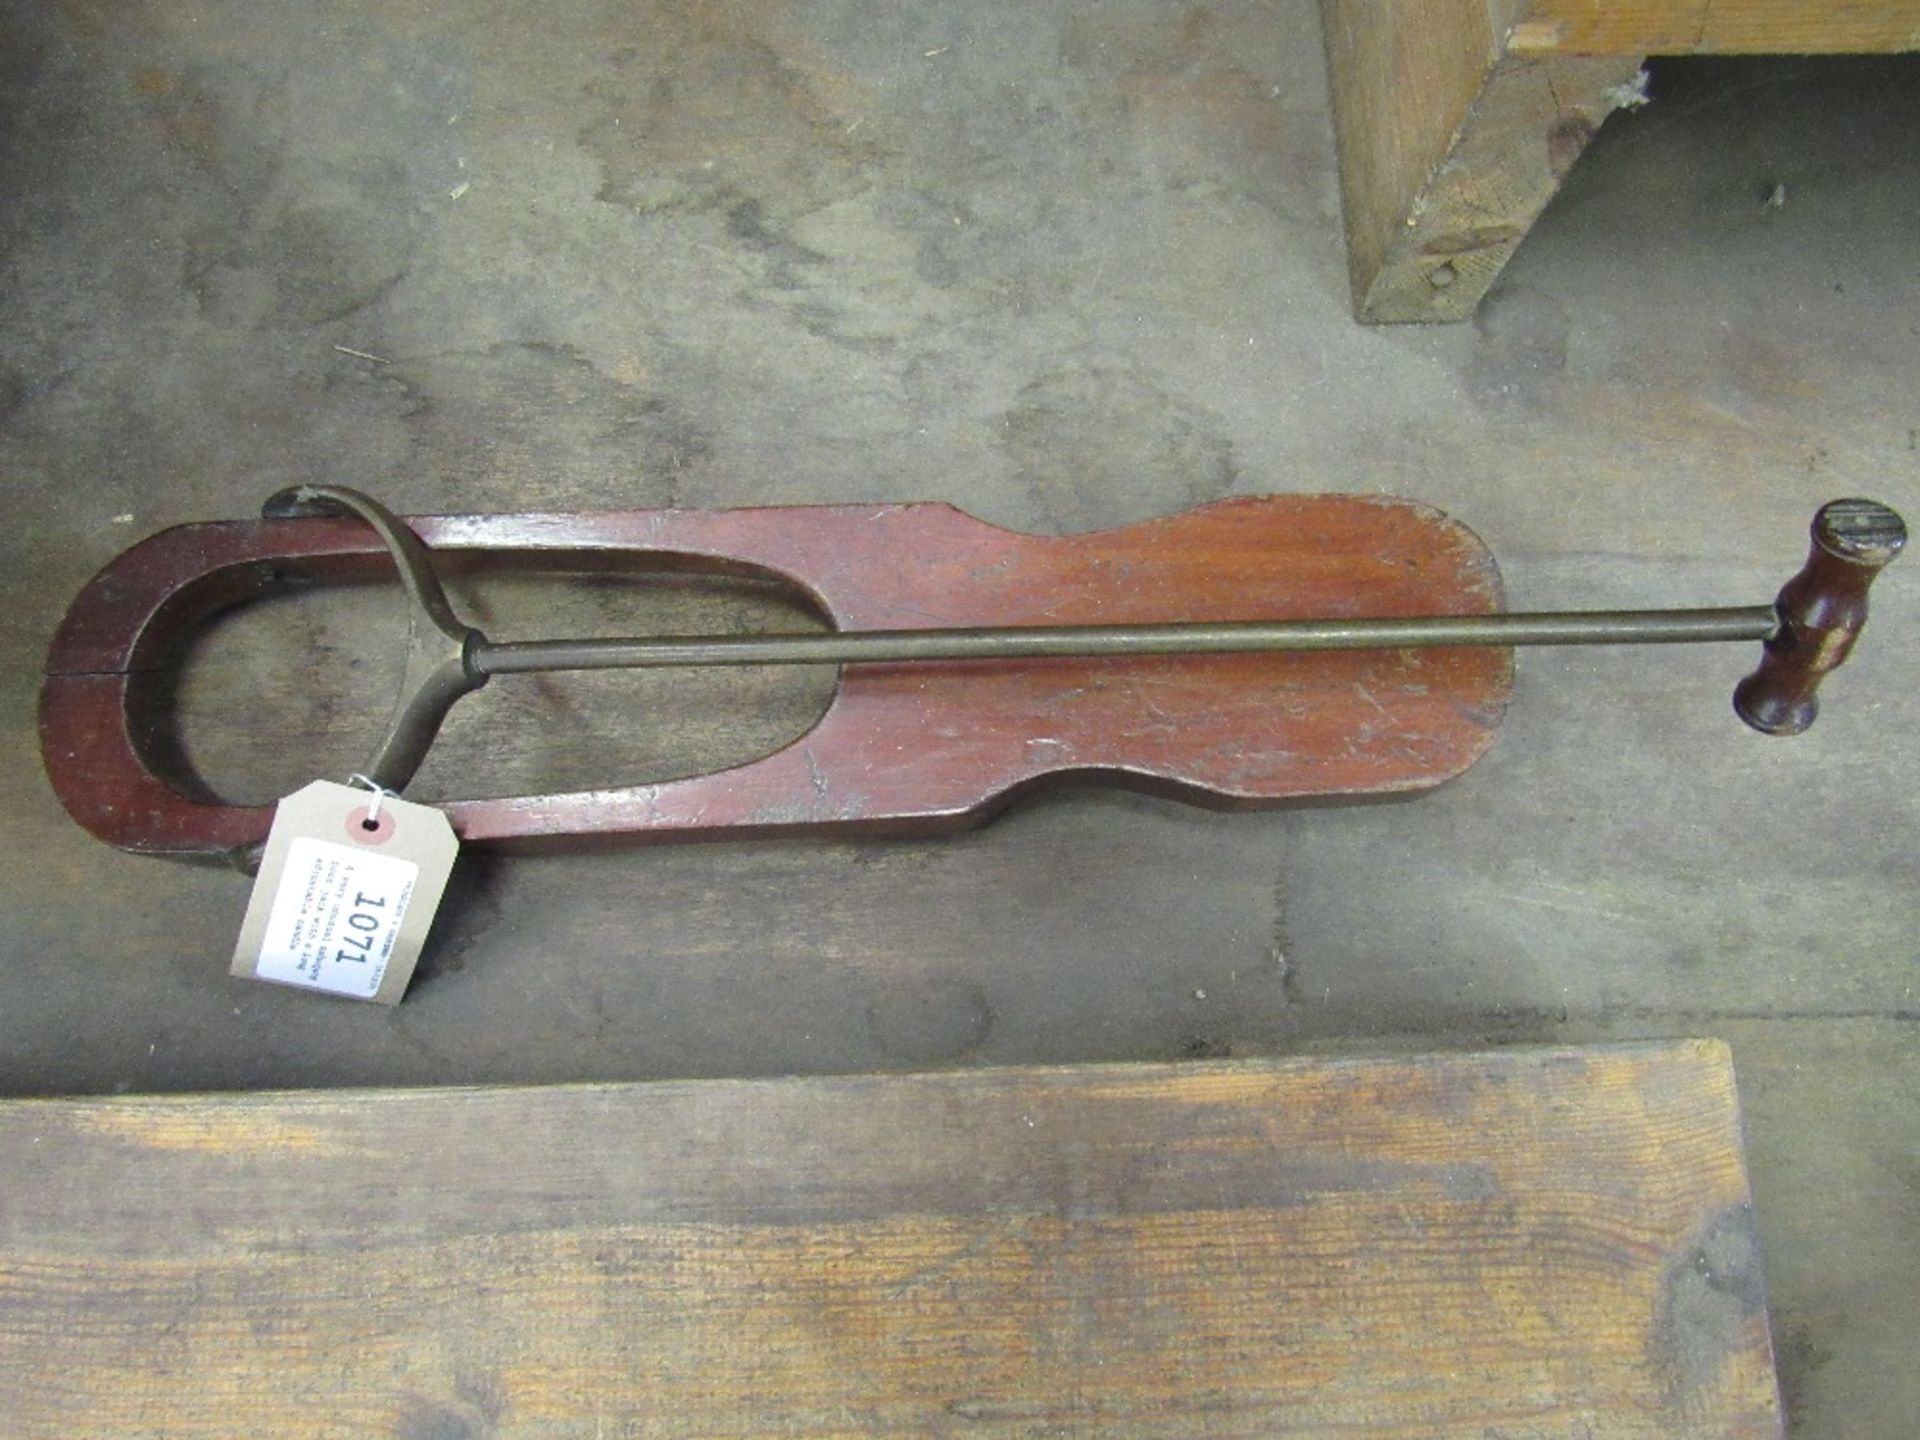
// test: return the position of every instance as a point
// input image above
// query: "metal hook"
(439, 668)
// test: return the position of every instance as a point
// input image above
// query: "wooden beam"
(1456, 119)
(1717, 27)
(1525, 1243)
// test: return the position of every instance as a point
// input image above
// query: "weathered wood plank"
(1527, 1243)
(1717, 27)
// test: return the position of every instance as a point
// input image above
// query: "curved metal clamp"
(440, 644)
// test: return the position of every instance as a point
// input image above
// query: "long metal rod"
(1031, 642)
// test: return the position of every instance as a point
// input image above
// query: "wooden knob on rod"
(1821, 610)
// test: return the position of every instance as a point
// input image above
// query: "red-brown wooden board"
(902, 747)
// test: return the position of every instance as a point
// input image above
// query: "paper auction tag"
(346, 893)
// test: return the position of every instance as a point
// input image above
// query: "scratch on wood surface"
(1367, 695)
(944, 1267)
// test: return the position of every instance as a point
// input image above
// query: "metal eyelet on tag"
(347, 891)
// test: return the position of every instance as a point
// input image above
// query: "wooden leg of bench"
(1457, 118)
(1451, 141)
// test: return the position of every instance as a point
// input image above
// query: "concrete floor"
(1067, 266)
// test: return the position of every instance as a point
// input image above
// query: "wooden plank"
(1450, 146)
(1722, 27)
(1547, 1243)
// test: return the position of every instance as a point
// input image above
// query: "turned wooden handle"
(1821, 612)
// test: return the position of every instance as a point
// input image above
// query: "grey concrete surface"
(1067, 266)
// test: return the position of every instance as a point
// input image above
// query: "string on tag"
(381, 794)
